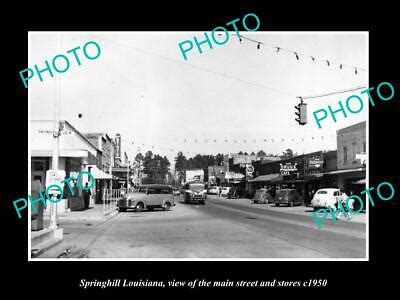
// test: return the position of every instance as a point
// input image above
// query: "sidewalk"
(75, 225)
(298, 210)
(94, 213)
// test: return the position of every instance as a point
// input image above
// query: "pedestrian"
(86, 196)
(347, 205)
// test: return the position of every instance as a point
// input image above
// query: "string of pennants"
(152, 147)
(242, 141)
(302, 56)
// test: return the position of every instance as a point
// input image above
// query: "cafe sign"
(288, 168)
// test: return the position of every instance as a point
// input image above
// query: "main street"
(219, 229)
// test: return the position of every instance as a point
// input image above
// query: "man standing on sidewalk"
(86, 196)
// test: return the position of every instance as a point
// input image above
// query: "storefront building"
(76, 154)
(305, 173)
(351, 159)
(104, 175)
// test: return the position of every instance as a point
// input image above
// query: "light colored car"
(214, 190)
(153, 196)
(326, 197)
(225, 191)
(176, 192)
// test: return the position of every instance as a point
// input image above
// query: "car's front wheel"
(139, 207)
(167, 206)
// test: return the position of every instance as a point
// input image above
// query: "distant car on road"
(263, 196)
(224, 191)
(175, 191)
(326, 197)
(194, 192)
(214, 190)
(233, 193)
(290, 197)
(154, 196)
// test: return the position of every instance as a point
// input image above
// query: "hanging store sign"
(315, 162)
(288, 168)
(249, 170)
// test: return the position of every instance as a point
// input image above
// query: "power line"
(333, 93)
(201, 68)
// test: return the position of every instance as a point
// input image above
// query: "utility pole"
(56, 134)
(127, 177)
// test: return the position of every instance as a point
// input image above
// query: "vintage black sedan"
(194, 192)
(289, 197)
(150, 196)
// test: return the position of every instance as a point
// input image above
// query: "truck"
(194, 175)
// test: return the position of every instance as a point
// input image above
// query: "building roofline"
(74, 129)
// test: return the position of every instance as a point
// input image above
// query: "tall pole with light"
(56, 134)
(127, 176)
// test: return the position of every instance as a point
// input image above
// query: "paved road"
(219, 229)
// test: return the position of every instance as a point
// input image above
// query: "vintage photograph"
(176, 146)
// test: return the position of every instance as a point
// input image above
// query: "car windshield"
(158, 191)
(283, 193)
(322, 192)
(196, 187)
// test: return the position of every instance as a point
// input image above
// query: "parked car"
(214, 190)
(233, 193)
(263, 196)
(289, 197)
(224, 191)
(194, 192)
(326, 197)
(153, 196)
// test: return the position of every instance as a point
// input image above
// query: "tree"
(252, 153)
(219, 158)
(139, 157)
(156, 167)
(181, 164)
(287, 154)
(261, 153)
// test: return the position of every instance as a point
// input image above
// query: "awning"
(99, 174)
(269, 177)
(233, 175)
(361, 181)
(345, 171)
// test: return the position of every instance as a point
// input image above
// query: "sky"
(230, 98)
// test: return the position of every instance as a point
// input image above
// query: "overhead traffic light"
(301, 112)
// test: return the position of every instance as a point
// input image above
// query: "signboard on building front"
(315, 162)
(54, 177)
(249, 170)
(288, 169)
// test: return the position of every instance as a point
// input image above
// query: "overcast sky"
(142, 88)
